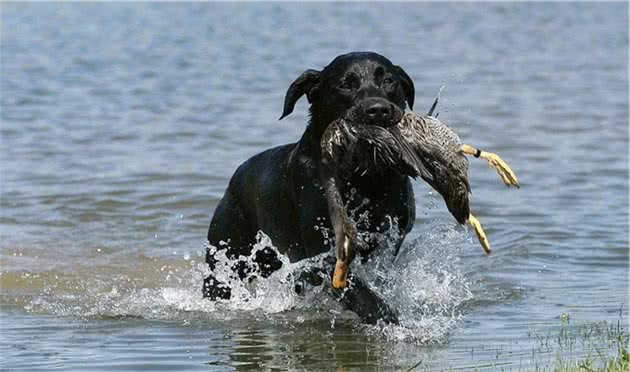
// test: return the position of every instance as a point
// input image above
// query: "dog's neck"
(318, 123)
(311, 139)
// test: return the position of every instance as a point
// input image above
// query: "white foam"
(423, 284)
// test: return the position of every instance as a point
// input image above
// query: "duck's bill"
(340, 275)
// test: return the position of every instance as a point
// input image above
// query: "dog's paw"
(310, 278)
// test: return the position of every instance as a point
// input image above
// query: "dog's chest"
(371, 206)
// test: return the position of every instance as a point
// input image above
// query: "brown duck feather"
(417, 146)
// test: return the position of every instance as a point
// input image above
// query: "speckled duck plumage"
(416, 146)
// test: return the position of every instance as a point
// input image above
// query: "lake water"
(122, 124)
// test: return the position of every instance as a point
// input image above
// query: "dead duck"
(417, 146)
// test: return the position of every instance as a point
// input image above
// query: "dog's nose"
(378, 111)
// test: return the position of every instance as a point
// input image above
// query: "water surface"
(122, 124)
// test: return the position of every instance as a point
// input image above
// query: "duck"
(419, 146)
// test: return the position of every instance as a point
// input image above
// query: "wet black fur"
(280, 190)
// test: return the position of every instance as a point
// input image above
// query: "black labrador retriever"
(280, 191)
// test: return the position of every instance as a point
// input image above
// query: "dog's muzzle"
(378, 111)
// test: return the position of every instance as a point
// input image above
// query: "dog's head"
(364, 85)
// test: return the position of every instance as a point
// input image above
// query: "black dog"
(281, 191)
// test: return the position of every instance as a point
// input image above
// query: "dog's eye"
(388, 80)
(348, 84)
(345, 85)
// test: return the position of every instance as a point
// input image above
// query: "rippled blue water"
(122, 123)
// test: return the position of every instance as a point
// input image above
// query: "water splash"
(424, 284)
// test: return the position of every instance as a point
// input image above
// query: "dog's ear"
(302, 85)
(407, 85)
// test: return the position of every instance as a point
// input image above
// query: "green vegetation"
(605, 344)
(589, 346)
(600, 362)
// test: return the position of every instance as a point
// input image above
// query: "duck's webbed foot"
(348, 242)
(481, 235)
(495, 161)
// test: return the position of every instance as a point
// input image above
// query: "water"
(122, 123)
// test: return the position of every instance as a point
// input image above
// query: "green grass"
(606, 343)
(599, 363)
(586, 346)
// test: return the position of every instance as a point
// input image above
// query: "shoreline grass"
(605, 345)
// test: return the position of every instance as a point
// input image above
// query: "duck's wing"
(430, 148)
(411, 155)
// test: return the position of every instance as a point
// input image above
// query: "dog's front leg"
(366, 303)
(356, 296)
